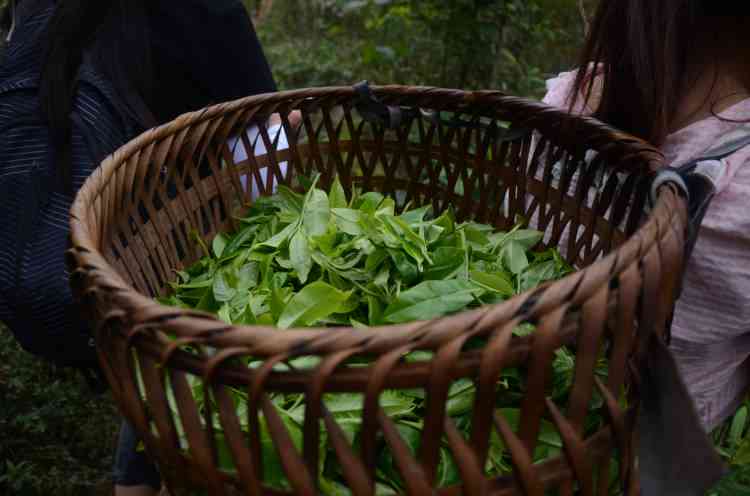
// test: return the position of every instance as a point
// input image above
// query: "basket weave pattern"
(131, 226)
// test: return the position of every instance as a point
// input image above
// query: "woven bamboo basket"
(581, 182)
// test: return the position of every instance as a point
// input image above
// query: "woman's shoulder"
(560, 91)
(738, 168)
(703, 137)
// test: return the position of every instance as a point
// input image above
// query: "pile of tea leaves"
(323, 259)
(320, 259)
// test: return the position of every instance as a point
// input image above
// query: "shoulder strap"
(664, 450)
(698, 177)
(728, 144)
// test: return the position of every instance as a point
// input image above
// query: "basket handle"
(372, 109)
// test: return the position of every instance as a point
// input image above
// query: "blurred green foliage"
(56, 436)
(509, 45)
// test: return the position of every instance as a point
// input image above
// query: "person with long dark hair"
(676, 73)
(162, 58)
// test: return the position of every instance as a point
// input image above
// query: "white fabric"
(276, 134)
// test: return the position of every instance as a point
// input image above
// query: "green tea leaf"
(348, 306)
(742, 455)
(527, 238)
(383, 490)
(347, 220)
(314, 302)
(374, 259)
(381, 280)
(273, 471)
(219, 242)
(386, 466)
(357, 324)
(300, 256)
(374, 311)
(284, 263)
(548, 436)
(208, 303)
(172, 301)
(564, 368)
(279, 238)
(290, 200)
(739, 423)
(316, 213)
(203, 281)
(221, 287)
(240, 239)
(496, 463)
(337, 196)
(497, 282)
(279, 295)
(201, 243)
(446, 221)
(524, 330)
(447, 472)
(327, 243)
(223, 313)
(386, 207)
(404, 266)
(247, 276)
(413, 244)
(419, 356)
(514, 257)
(430, 299)
(446, 262)
(415, 216)
(364, 246)
(258, 303)
(534, 275)
(476, 234)
(369, 202)
(460, 397)
(265, 261)
(247, 317)
(432, 233)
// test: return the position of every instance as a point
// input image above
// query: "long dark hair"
(115, 34)
(649, 53)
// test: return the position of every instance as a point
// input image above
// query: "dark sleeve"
(205, 52)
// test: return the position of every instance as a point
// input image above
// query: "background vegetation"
(57, 438)
(510, 45)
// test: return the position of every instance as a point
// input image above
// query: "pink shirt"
(711, 328)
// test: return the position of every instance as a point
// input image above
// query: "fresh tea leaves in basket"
(322, 259)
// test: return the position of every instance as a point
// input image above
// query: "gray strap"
(676, 457)
(12, 21)
(729, 143)
(708, 165)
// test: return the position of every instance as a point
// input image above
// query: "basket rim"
(270, 341)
